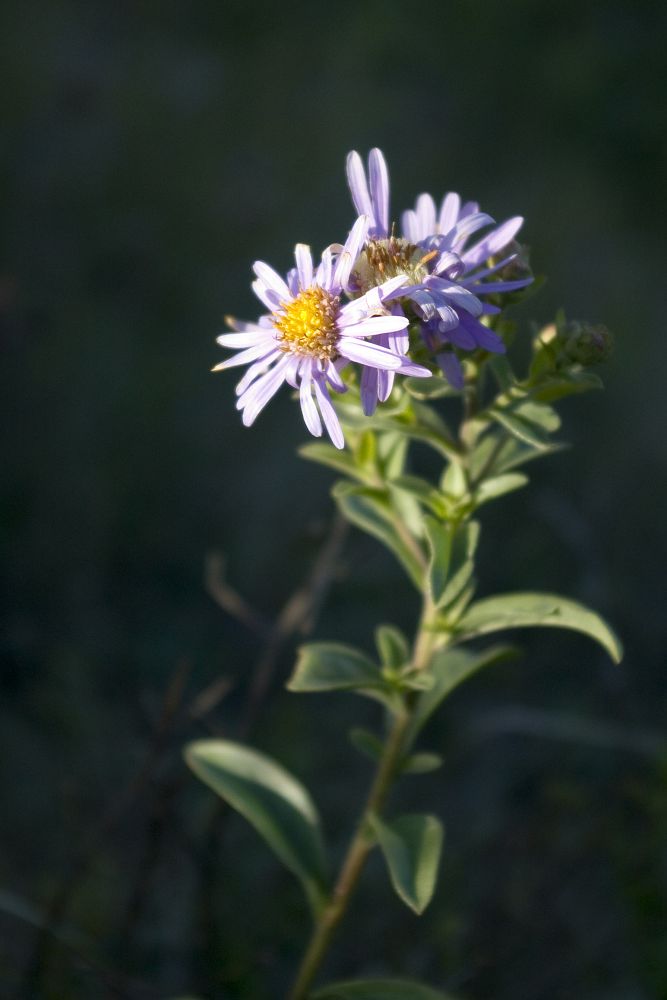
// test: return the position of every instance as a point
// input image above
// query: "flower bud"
(586, 344)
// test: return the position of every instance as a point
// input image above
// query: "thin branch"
(229, 599)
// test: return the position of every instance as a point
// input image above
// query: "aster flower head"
(310, 334)
(446, 277)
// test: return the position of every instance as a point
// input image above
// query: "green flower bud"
(585, 344)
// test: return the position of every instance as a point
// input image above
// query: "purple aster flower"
(445, 275)
(310, 335)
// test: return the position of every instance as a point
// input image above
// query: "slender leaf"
(421, 763)
(370, 511)
(449, 668)
(454, 482)
(272, 800)
(521, 428)
(422, 491)
(367, 743)
(439, 536)
(379, 989)
(498, 486)
(549, 390)
(411, 846)
(341, 461)
(332, 666)
(461, 565)
(392, 646)
(428, 388)
(520, 610)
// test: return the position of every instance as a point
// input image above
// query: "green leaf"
(341, 461)
(454, 482)
(565, 384)
(439, 536)
(421, 763)
(411, 846)
(272, 801)
(392, 646)
(496, 454)
(378, 989)
(498, 486)
(332, 666)
(427, 388)
(416, 420)
(529, 609)
(422, 491)
(449, 668)
(451, 565)
(370, 511)
(502, 371)
(521, 428)
(367, 743)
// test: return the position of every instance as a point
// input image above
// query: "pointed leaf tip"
(272, 800)
(412, 846)
(528, 609)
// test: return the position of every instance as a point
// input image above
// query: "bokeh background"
(150, 152)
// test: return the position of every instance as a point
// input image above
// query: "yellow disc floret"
(307, 324)
(383, 259)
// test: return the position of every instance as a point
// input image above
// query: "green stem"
(363, 841)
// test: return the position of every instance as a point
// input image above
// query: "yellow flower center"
(307, 324)
(384, 259)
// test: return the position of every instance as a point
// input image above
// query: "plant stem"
(363, 840)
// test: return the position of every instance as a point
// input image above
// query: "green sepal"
(379, 989)
(273, 801)
(529, 609)
(411, 846)
(371, 511)
(449, 668)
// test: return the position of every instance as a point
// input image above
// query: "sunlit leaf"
(498, 486)
(518, 610)
(272, 800)
(334, 458)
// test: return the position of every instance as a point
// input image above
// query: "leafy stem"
(363, 839)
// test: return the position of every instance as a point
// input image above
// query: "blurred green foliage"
(150, 152)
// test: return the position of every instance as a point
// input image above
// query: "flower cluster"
(358, 304)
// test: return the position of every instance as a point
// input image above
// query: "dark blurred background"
(150, 152)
